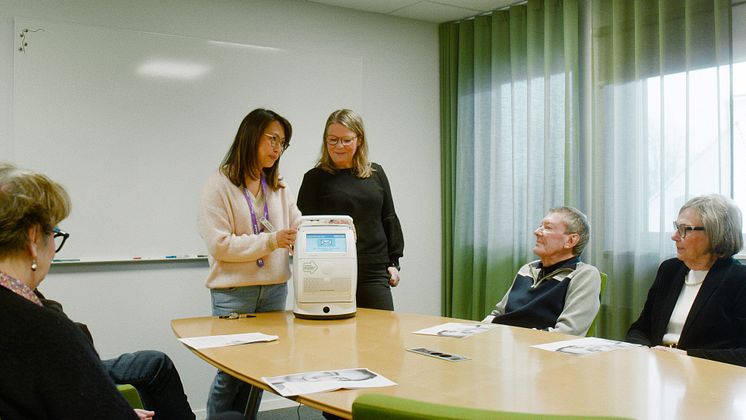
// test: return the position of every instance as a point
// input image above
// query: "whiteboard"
(132, 123)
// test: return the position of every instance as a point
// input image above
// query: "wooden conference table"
(504, 372)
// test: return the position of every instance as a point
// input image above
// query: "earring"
(33, 265)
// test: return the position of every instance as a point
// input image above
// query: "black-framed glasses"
(346, 141)
(683, 229)
(275, 141)
(59, 238)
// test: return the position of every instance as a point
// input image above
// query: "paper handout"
(210, 341)
(326, 380)
(587, 345)
(456, 329)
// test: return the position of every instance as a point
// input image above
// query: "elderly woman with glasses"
(697, 303)
(345, 182)
(49, 369)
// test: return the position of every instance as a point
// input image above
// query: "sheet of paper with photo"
(209, 341)
(456, 329)
(587, 345)
(322, 381)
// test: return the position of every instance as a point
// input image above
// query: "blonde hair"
(361, 166)
(27, 200)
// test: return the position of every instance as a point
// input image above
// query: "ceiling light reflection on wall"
(173, 69)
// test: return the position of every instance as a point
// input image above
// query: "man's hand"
(670, 349)
(144, 414)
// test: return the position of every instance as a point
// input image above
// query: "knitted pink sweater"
(224, 223)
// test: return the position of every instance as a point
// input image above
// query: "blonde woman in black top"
(345, 182)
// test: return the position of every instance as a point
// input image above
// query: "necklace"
(695, 277)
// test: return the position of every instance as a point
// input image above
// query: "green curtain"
(617, 107)
(509, 112)
(661, 134)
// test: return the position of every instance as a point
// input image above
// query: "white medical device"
(325, 268)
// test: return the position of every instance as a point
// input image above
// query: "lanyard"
(254, 221)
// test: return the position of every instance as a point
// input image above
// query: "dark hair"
(241, 160)
(27, 200)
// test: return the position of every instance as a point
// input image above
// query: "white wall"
(128, 307)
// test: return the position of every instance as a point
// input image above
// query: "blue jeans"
(154, 376)
(228, 393)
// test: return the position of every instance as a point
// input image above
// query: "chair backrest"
(379, 406)
(130, 394)
(593, 330)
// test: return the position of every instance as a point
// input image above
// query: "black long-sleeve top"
(49, 369)
(367, 200)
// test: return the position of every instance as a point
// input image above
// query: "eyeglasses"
(683, 229)
(346, 141)
(59, 239)
(275, 141)
(544, 229)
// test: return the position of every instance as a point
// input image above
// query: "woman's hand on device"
(346, 222)
(286, 238)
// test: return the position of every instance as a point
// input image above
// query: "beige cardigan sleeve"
(225, 224)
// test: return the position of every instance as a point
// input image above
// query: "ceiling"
(437, 11)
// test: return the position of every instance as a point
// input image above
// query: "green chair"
(379, 406)
(130, 394)
(593, 330)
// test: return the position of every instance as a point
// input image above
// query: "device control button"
(326, 309)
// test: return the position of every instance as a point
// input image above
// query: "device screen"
(322, 242)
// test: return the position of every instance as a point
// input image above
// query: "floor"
(300, 412)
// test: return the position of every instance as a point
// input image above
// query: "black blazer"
(716, 325)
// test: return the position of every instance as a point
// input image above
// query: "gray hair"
(722, 220)
(575, 222)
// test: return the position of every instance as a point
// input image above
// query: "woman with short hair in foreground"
(49, 369)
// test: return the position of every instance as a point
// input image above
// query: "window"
(739, 134)
(739, 107)
(687, 131)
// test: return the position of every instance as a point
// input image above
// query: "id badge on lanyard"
(254, 221)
